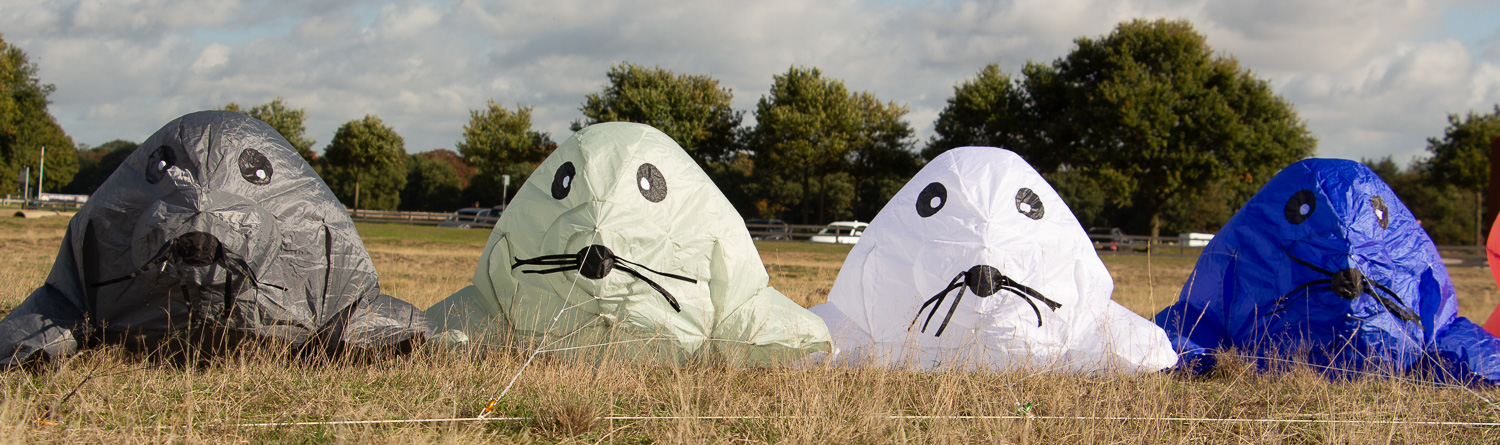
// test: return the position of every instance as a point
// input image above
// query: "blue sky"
(1372, 78)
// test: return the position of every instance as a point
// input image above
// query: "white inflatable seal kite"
(620, 239)
(978, 262)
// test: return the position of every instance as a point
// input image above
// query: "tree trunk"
(806, 189)
(356, 194)
(1479, 217)
(822, 198)
(1155, 227)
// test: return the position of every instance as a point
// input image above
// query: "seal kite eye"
(932, 199)
(649, 179)
(254, 167)
(563, 182)
(159, 162)
(1382, 213)
(1029, 204)
(1301, 206)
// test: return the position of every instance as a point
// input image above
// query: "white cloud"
(213, 56)
(1367, 75)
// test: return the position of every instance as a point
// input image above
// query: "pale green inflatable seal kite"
(620, 239)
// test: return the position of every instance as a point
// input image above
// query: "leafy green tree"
(366, 164)
(454, 160)
(289, 122)
(431, 185)
(26, 127)
(988, 111)
(97, 164)
(1151, 114)
(1462, 158)
(802, 130)
(498, 141)
(810, 127)
(1084, 197)
(692, 109)
(882, 159)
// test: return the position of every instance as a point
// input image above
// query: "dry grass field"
(107, 395)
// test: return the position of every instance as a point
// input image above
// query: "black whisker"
(962, 283)
(1303, 286)
(546, 260)
(1304, 263)
(595, 262)
(1014, 286)
(668, 275)
(1396, 308)
(668, 295)
(161, 257)
(1035, 309)
(951, 309)
(555, 270)
(1308, 288)
(1391, 301)
(957, 282)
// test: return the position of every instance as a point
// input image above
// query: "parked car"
(840, 232)
(1108, 238)
(768, 229)
(468, 217)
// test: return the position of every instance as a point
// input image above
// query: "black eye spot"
(563, 182)
(932, 199)
(1382, 213)
(254, 167)
(653, 186)
(1301, 206)
(159, 162)
(1029, 204)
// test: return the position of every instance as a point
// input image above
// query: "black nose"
(195, 248)
(596, 261)
(984, 280)
(1348, 283)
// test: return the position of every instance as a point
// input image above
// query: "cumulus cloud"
(1368, 76)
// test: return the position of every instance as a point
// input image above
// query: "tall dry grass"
(109, 395)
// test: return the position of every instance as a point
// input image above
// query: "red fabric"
(1492, 250)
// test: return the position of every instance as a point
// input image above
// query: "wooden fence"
(1471, 256)
(1172, 246)
(59, 206)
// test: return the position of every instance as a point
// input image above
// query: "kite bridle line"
(490, 407)
(1392, 303)
(891, 417)
(1494, 407)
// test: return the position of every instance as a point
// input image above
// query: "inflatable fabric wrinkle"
(194, 232)
(977, 262)
(665, 285)
(1324, 261)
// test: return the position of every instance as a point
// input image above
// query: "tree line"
(1145, 128)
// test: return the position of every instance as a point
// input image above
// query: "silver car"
(472, 217)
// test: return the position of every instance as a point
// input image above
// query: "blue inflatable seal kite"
(1325, 263)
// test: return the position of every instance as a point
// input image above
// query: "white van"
(840, 232)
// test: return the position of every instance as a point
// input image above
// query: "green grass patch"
(406, 234)
(789, 246)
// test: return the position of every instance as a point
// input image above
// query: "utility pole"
(41, 173)
(504, 191)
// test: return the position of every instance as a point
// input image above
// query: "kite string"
(1234, 256)
(892, 417)
(490, 407)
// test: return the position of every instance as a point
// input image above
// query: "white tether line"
(490, 407)
(1088, 418)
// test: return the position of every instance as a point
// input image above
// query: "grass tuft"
(113, 395)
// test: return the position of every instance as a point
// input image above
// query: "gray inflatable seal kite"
(213, 230)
